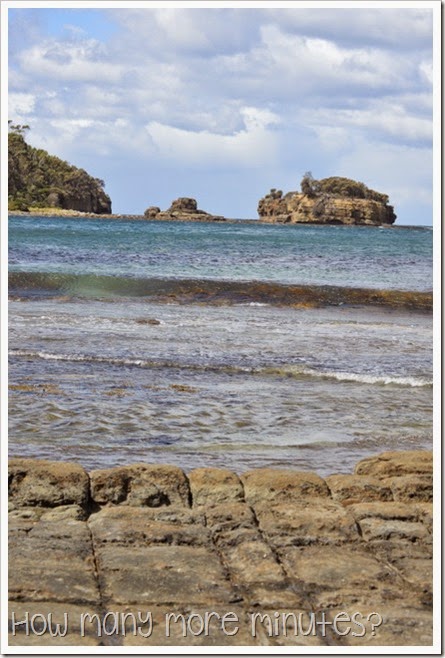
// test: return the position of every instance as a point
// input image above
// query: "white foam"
(360, 378)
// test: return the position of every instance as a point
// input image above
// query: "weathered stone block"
(70, 581)
(389, 510)
(281, 486)
(144, 526)
(162, 575)
(334, 575)
(425, 514)
(253, 562)
(229, 517)
(299, 524)
(408, 488)
(389, 464)
(54, 562)
(348, 489)
(391, 529)
(213, 486)
(140, 485)
(47, 484)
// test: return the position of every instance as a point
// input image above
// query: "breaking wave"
(37, 285)
(296, 371)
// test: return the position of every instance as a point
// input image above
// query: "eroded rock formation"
(185, 209)
(332, 200)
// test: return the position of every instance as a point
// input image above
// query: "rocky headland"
(270, 557)
(37, 180)
(333, 200)
(183, 209)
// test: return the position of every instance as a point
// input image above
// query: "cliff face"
(37, 179)
(329, 201)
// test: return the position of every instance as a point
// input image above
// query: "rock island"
(334, 200)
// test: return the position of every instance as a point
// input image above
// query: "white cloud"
(383, 119)
(250, 147)
(402, 28)
(195, 32)
(179, 27)
(78, 61)
(426, 70)
(20, 104)
(314, 63)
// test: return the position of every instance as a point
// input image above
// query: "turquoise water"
(132, 341)
(310, 255)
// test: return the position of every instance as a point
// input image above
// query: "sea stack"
(185, 209)
(334, 200)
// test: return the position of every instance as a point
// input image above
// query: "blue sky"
(222, 104)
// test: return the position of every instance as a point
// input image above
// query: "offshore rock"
(183, 209)
(334, 200)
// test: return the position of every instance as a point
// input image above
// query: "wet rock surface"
(147, 555)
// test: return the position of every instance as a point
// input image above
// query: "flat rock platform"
(146, 555)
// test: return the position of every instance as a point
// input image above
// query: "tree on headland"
(37, 179)
(17, 128)
(309, 185)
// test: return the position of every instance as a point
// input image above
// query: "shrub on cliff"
(309, 186)
(38, 179)
(340, 187)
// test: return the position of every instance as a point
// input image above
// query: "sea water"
(218, 344)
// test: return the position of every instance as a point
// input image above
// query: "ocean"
(227, 344)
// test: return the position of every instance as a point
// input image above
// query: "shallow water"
(235, 345)
(106, 383)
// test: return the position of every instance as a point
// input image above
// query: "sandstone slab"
(150, 538)
(306, 522)
(140, 485)
(407, 488)
(213, 486)
(281, 486)
(145, 526)
(332, 576)
(348, 489)
(390, 464)
(162, 575)
(47, 484)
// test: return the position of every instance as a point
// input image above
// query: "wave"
(361, 378)
(32, 285)
(296, 371)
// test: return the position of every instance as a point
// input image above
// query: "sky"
(223, 104)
